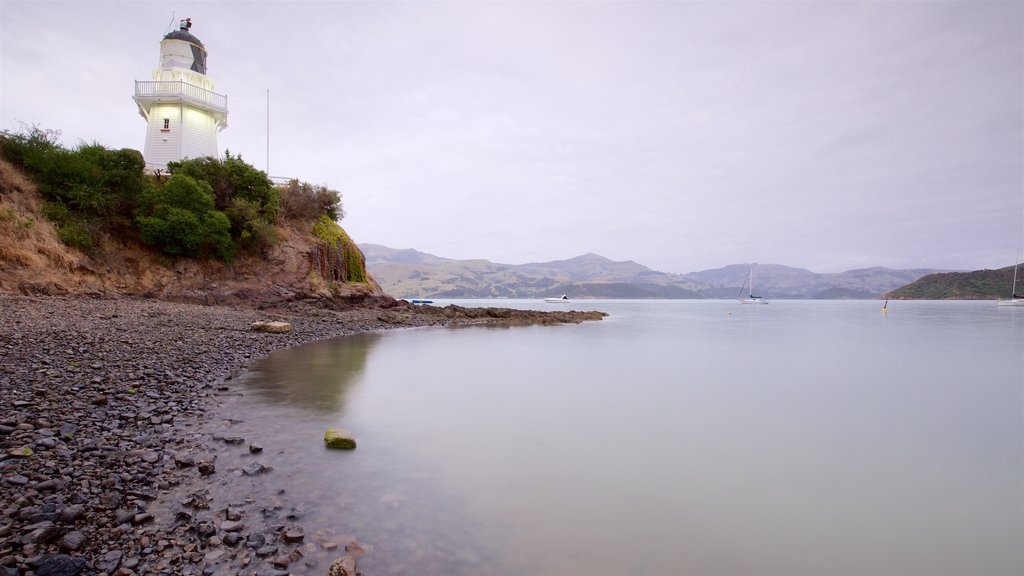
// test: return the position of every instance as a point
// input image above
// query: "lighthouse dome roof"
(183, 35)
(180, 49)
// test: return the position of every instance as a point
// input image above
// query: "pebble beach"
(104, 462)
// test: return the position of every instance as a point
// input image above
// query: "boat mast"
(1013, 290)
(744, 285)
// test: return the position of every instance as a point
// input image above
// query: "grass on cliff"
(30, 241)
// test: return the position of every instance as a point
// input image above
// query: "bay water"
(673, 437)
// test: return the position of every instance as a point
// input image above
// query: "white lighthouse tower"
(183, 112)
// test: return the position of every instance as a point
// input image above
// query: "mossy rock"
(25, 452)
(271, 326)
(339, 439)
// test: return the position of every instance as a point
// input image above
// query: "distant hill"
(776, 281)
(977, 285)
(412, 274)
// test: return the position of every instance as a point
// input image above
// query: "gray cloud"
(684, 135)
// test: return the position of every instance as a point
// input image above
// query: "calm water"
(674, 437)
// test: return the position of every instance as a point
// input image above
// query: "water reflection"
(671, 438)
(317, 376)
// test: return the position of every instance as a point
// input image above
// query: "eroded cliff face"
(33, 260)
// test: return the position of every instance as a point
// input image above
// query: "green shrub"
(124, 179)
(186, 193)
(173, 231)
(232, 179)
(76, 235)
(209, 170)
(29, 148)
(253, 185)
(180, 219)
(216, 235)
(242, 213)
(244, 194)
(251, 230)
(90, 181)
(56, 212)
(304, 201)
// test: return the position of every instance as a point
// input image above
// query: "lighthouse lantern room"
(181, 109)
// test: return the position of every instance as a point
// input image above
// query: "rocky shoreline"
(104, 465)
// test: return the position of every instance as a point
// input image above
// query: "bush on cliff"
(207, 206)
(180, 218)
(86, 188)
(242, 192)
(232, 180)
(304, 201)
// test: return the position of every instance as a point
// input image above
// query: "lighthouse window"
(167, 123)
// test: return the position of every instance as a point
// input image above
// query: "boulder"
(42, 533)
(71, 541)
(255, 468)
(60, 565)
(344, 566)
(206, 467)
(271, 326)
(339, 439)
(293, 535)
(231, 526)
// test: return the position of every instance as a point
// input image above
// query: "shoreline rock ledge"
(339, 439)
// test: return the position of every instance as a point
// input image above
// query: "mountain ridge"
(412, 273)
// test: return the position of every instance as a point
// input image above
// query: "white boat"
(561, 299)
(1015, 299)
(751, 299)
(421, 300)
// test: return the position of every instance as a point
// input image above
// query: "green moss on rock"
(339, 439)
(336, 257)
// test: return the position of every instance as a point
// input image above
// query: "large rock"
(294, 534)
(339, 439)
(60, 565)
(42, 533)
(344, 566)
(231, 526)
(271, 326)
(71, 541)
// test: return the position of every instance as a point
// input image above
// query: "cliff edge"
(300, 266)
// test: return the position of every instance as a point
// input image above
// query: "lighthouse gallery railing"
(179, 88)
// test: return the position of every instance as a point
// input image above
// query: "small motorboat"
(559, 300)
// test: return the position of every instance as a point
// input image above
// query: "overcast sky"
(681, 135)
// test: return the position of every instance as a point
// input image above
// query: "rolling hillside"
(413, 274)
(776, 281)
(976, 285)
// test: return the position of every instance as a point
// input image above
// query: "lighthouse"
(182, 112)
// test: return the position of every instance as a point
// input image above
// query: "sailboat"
(750, 299)
(1015, 299)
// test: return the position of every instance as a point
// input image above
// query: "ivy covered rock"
(336, 258)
